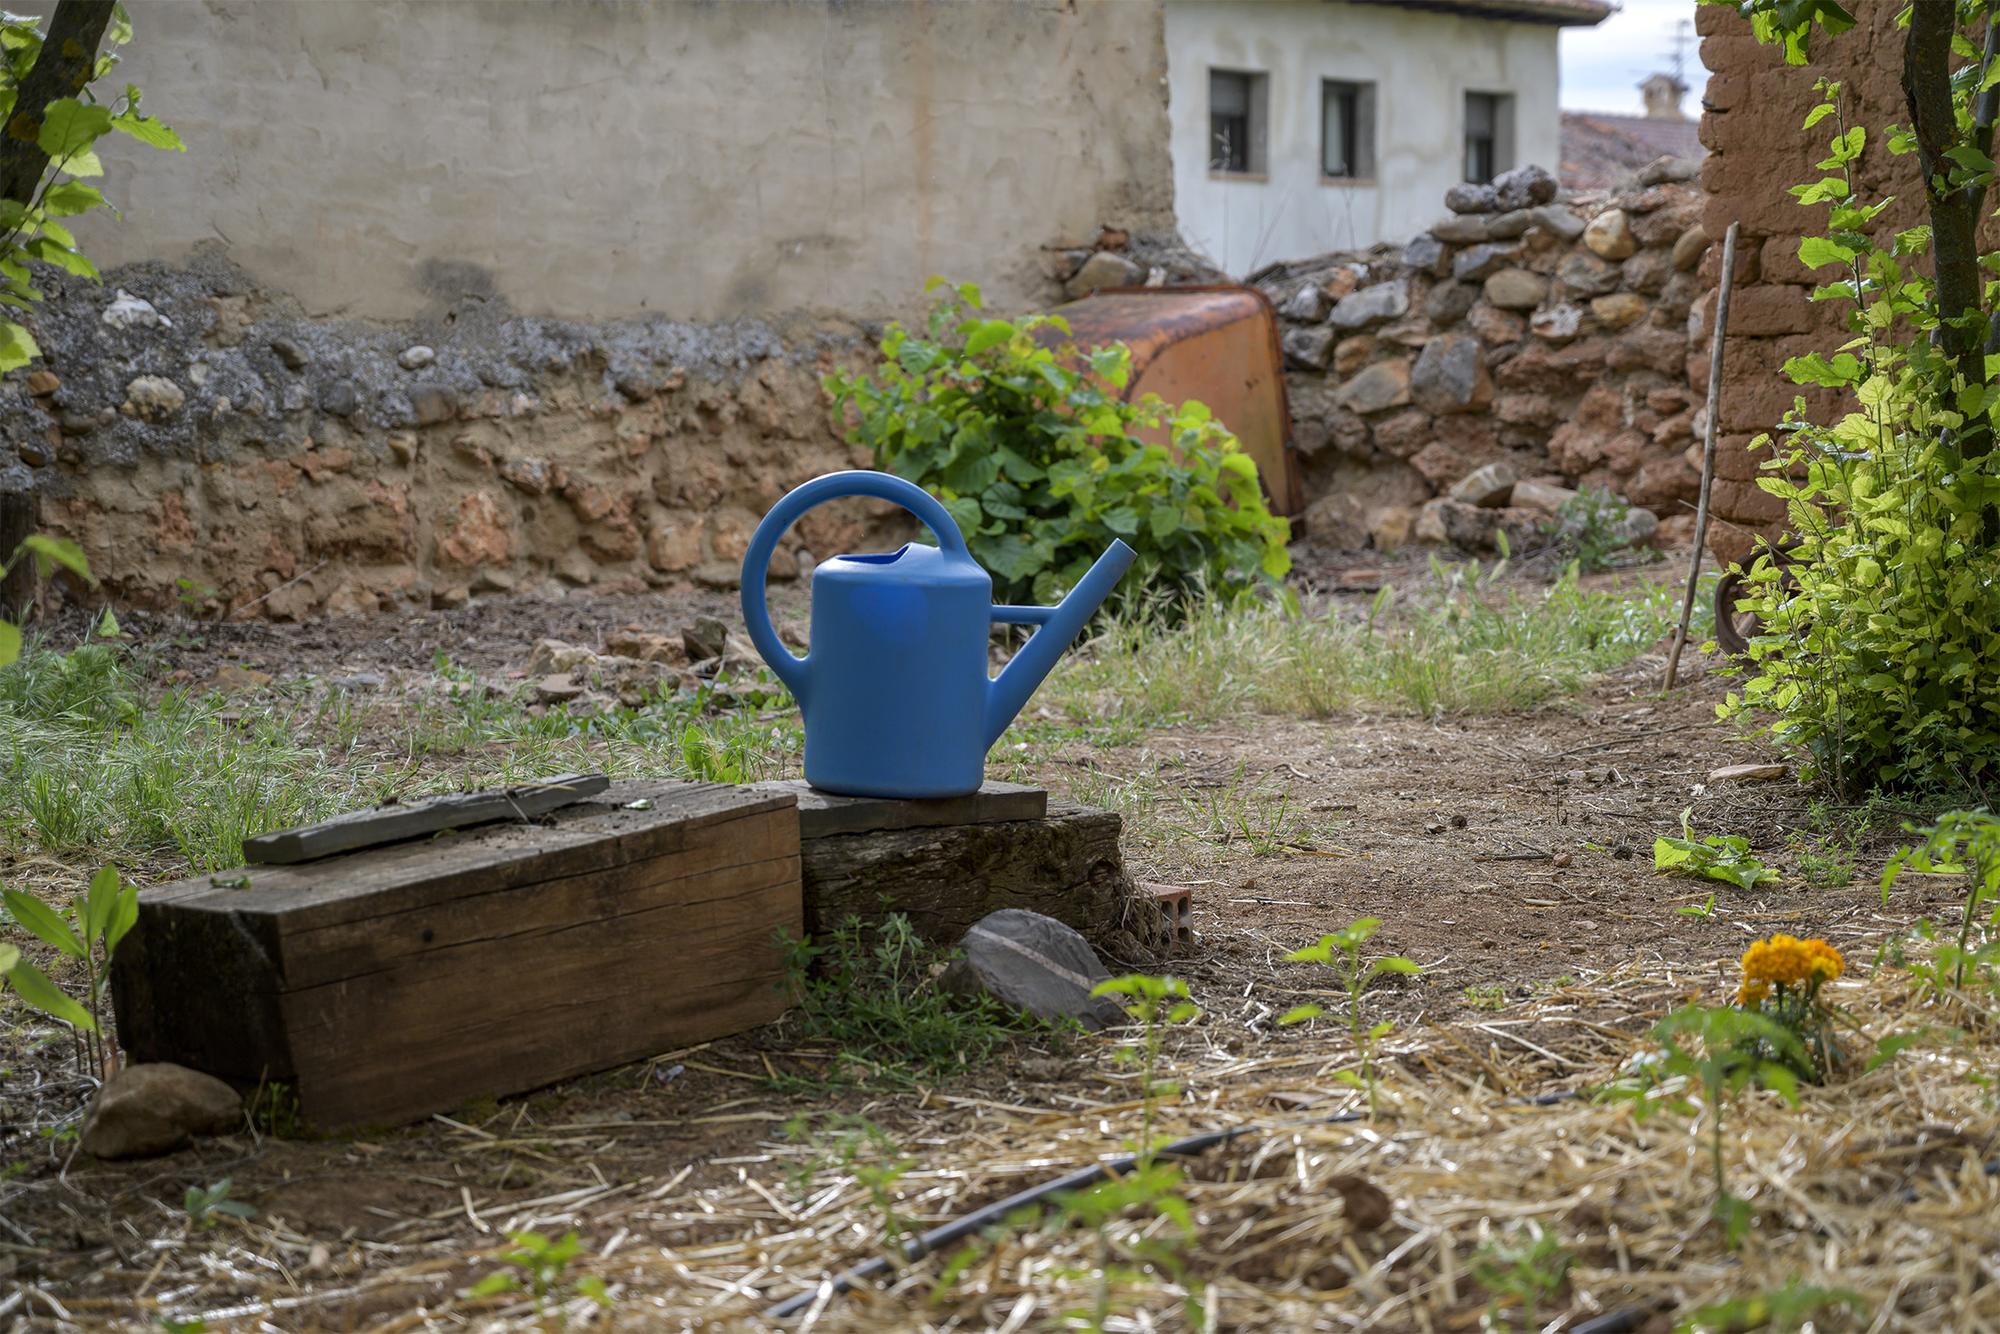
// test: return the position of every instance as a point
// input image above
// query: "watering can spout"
(1059, 625)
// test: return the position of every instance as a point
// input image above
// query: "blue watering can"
(894, 690)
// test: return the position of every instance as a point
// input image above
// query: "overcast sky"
(1602, 66)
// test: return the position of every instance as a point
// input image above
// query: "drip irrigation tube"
(965, 1225)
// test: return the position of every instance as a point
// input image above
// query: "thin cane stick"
(1707, 448)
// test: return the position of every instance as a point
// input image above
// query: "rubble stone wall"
(1548, 336)
(1752, 124)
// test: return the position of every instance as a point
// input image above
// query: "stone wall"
(1752, 116)
(1551, 337)
(207, 443)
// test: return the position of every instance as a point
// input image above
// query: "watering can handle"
(764, 543)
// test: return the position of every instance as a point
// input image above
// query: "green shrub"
(1877, 656)
(1041, 464)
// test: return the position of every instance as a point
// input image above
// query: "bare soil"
(1507, 855)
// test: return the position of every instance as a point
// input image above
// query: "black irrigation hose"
(944, 1234)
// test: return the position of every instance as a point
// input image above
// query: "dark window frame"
(1357, 149)
(1237, 137)
(1488, 148)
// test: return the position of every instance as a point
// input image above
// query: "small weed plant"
(1796, 1305)
(1707, 1055)
(1592, 524)
(539, 1266)
(1527, 1264)
(1155, 1004)
(869, 991)
(858, 1147)
(1965, 843)
(98, 920)
(1342, 952)
(1031, 446)
(206, 1206)
(1724, 857)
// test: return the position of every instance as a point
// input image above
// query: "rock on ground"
(157, 1108)
(1034, 963)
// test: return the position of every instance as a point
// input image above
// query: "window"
(1236, 103)
(1489, 135)
(1346, 130)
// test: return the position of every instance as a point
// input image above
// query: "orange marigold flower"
(1752, 994)
(1788, 961)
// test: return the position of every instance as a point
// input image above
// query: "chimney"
(1663, 93)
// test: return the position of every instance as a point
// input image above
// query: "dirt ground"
(1509, 856)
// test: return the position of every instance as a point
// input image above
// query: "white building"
(1302, 126)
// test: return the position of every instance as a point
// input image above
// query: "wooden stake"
(1707, 448)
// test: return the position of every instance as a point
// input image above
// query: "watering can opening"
(880, 557)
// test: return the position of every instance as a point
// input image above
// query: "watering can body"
(894, 690)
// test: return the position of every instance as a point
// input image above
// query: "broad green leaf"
(148, 130)
(9, 956)
(99, 902)
(124, 916)
(69, 127)
(49, 552)
(83, 163)
(42, 922)
(17, 346)
(1298, 1014)
(34, 987)
(10, 642)
(66, 199)
(1818, 251)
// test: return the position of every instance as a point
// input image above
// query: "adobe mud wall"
(1752, 116)
(598, 160)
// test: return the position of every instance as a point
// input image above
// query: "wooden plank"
(432, 815)
(822, 814)
(402, 980)
(1066, 866)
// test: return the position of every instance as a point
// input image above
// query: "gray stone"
(153, 397)
(1489, 487)
(157, 1108)
(1309, 349)
(134, 312)
(1338, 520)
(1034, 963)
(1373, 305)
(432, 404)
(1541, 497)
(1689, 247)
(340, 398)
(1667, 170)
(1463, 229)
(289, 352)
(1445, 521)
(1557, 220)
(550, 689)
(1467, 198)
(1507, 226)
(705, 638)
(416, 357)
(1637, 527)
(1308, 304)
(1558, 323)
(1384, 385)
(551, 656)
(1425, 254)
(1524, 187)
(1585, 274)
(1450, 375)
(1104, 269)
(1448, 302)
(1516, 289)
(1481, 261)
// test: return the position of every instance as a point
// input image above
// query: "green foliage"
(1527, 1263)
(1590, 524)
(1963, 843)
(1150, 1197)
(1724, 857)
(1876, 656)
(47, 553)
(69, 129)
(1791, 1307)
(859, 1148)
(868, 990)
(99, 918)
(1153, 1003)
(208, 1205)
(1721, 1051)
(1043, 465)
(540, 1266)
(1341, 951)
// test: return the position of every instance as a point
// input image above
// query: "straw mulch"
(1877, 1184)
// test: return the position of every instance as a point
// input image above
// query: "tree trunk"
(63, 67)
(17, 520)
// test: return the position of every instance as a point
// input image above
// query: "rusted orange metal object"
(1218, 345)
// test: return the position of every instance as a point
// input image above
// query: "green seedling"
(99, 918)
(1529, 1264)
(539, 1266)
(1341, 951)
(207, 1206)
(1154, 1003)
(1790, 1307)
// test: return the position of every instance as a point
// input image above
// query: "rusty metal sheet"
(1218, 345)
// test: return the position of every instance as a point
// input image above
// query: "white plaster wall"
(601, 158)
(1422, 65)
